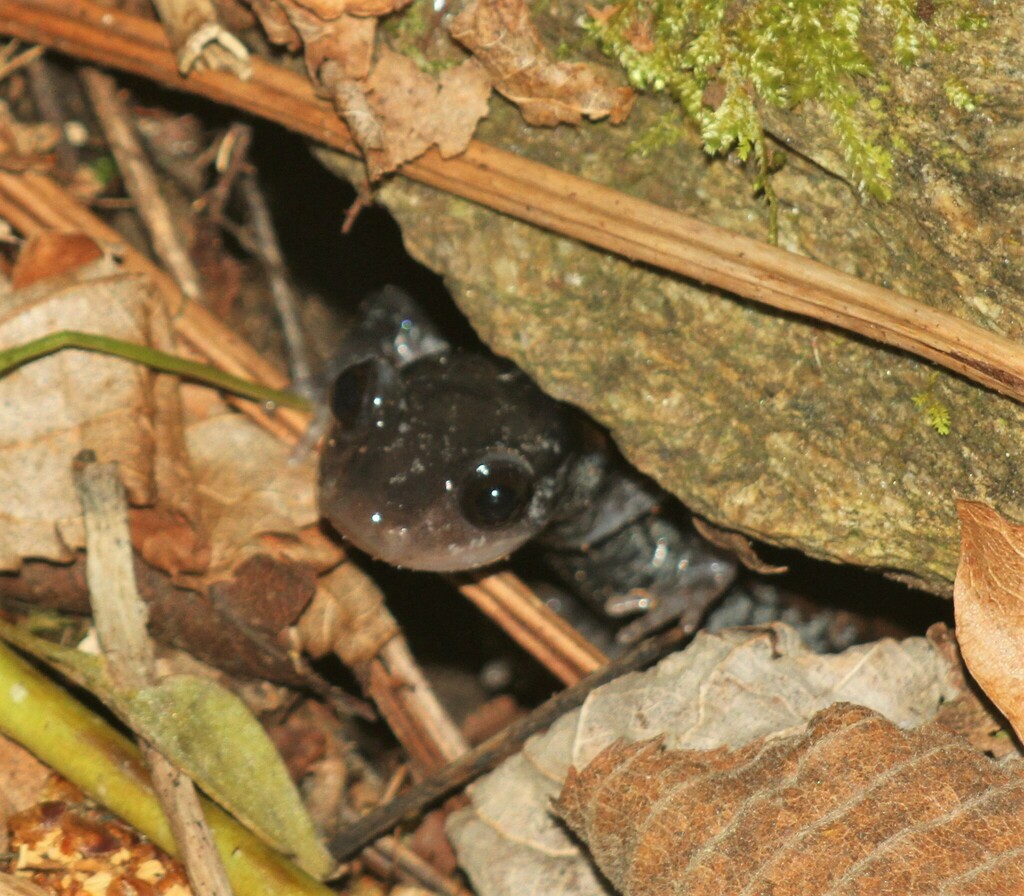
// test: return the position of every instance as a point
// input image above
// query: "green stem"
(151, 357)
(49, 722)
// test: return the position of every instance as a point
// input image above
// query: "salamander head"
(447, 463)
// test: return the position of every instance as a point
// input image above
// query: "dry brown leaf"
(56, 406)
(346, 40)
(726, 688)
(399, 112)
(971, 715)
(347, 617)
(988, 597)
(255, 497)
(50, 254)
(501, 34)
(333, 9)
(242, 558)
(852, 805)
(276, 24)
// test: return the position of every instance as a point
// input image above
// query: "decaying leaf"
(227, 525)
(399, 112)
(64, 844)
(852, 805)
(206, 731)
(333, 9)
(343, 39)
(54, 407)
(988, 597)
(971, 715)
(51, 254)
(501, 34)
(727, 688)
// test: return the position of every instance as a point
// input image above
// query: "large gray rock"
(793, 433)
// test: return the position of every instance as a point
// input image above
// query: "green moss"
(416, 31)
(972, 21)
(723, 60)
(935, 411)
(104, 169)
(666, 131)
(959, 96)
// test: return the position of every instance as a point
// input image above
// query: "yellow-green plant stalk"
(151, 357)
(49, 722)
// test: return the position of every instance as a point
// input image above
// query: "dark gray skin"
(445, 460)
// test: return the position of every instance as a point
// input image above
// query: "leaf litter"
(218, 511)
(397, 110)
(853, 804)
(726, 690)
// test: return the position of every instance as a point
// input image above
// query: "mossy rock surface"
(793, 433)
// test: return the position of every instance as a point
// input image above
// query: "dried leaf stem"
(151, 357)
(552, 199)
(141, 180)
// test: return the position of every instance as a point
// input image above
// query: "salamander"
(445, 459)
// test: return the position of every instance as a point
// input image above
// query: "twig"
(230, 156)
(407, 700)
(562, 650)
(556, 201)
(285, 300)
(25, 57)
(141, 180)
(484, 757)
(50, 104)
(388, 855)
(120, 618)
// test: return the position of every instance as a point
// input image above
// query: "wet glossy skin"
(441, 460)
(445, 460)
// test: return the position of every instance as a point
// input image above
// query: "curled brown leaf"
(501, 34)
(988, 598)
(399, 112)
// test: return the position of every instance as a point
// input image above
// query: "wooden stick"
(513, 605)
(552, 199)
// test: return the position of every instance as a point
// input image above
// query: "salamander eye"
(359, 394)
(496, 493)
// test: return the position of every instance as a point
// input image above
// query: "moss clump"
(934, 409)
(723, 59)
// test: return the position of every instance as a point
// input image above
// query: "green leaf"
(210, 734)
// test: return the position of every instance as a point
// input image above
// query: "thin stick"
(484, 757)
(556, 201)
(513, 605)
(285, 300)
(141, 180)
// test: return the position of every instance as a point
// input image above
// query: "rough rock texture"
(790, 432)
